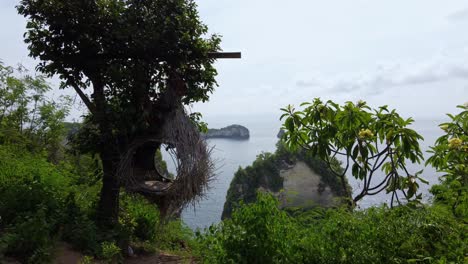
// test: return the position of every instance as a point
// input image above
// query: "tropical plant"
(368, 140)
(450, 156)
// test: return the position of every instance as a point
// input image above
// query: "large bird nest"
(191, 156)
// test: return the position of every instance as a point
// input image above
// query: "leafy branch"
(368, 140)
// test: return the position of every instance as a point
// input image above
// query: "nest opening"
(139, 172)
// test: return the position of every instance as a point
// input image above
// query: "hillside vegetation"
(49, 190)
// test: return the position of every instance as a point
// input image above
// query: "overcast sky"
(411, 55)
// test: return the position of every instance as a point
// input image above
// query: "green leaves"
(450, 155)
(257, 233)
(27, 116)
(370, 139)
(261, 233)
(196, 118)
(131, 52)
(289, 124)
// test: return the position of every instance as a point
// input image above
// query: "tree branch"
(91, 107)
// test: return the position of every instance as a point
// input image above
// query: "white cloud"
(459, 15)
(386, 76)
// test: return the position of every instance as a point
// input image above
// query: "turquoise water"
(230, 154)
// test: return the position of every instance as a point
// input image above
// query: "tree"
(27, 117)
(367, 140)
(141, 58)
(450, 156)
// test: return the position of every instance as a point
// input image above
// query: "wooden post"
(225, 55)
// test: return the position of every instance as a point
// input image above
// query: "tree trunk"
(108, 208)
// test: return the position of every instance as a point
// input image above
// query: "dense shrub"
(32, 202)
(38, 206)
(257, 233)
(261, 233)
(139, 217)
(175, 236)
(42, 203)
(382, 235)
(78, 229)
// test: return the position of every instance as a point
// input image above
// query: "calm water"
(230, 154)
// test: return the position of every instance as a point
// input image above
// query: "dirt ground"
(66, 255)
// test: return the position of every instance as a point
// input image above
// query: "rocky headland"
(296, 178)
(230, 132)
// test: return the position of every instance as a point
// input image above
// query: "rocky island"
(230, 132)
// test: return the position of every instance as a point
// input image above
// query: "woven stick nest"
(191, 155)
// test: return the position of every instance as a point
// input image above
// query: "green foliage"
(175, 236)
(110, 253)
(27, 117)
(31, 237)
(381, 235)
(264, 172)
(197, 120)
(42, 203)
(257, 233)
(141, 217)
(87, 43)
(261, 233)
(86, 260)
(142, 59)
(31, 207)
(370, 140)
(450, 155)
(78, 229)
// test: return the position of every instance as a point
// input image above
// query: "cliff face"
(304, 188)
(232, 131)
(297, 179)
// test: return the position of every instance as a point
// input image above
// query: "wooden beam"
(225, 55)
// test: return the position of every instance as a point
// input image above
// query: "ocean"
(229, 155)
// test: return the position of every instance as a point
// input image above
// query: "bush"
(78, 229)
(382, 235)
(139, 217)
(261, 233)
(110, 253)
(31, 207)
(175, 236)
(38, 207)
(257, 233)
(30, 238)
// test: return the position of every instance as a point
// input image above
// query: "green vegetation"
(43, 203)
(450, 155)
(142, 60)
(369, 140)
(46, 199)
(50, 192)
(262, 233)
